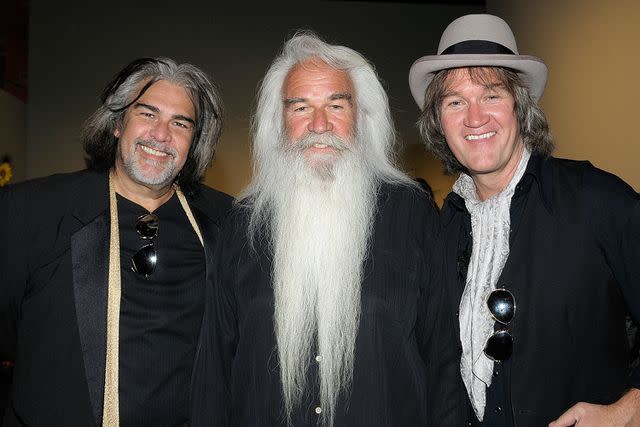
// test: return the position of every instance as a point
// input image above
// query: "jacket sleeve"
(211, 389)
(436, 338)
(615, 208)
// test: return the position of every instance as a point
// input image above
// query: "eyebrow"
(343, 95)
(333, 97)
(289, 101)
(157, 110)
(492, 86)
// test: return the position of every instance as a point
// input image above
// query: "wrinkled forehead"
(314, 71)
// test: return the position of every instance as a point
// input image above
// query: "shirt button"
(318, 358)
(318, 410)
(498, 409)
(457, 313)
(495, 373)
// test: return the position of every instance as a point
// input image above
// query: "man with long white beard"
(326, 313)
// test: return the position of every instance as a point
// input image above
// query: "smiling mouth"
(152, 151)
(320, 145)
(481, 136)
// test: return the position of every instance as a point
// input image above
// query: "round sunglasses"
(145, 259)
(502, 306)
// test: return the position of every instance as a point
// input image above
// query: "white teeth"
(320, 145)
(483, 136)
(152, 151)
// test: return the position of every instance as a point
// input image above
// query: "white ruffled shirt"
(490, 225)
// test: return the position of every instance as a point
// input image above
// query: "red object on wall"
(14, 44)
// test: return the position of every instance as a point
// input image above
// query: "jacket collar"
(540, 168)
(539, 172)
(90, 196)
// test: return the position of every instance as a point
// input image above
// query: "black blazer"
(405, 359)
(54, 234)
(574, 269)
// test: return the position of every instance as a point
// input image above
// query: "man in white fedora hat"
(542, 255)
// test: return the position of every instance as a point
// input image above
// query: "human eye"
(296, 106)
(451, 102)
(496, 93)
(182, 125)
(147, 114)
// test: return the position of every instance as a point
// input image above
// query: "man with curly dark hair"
(104, 270)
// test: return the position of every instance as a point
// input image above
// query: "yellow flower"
(5, 173)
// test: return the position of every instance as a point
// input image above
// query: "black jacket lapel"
(90, 263)
(90, 266)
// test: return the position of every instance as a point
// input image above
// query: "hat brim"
(532, 70)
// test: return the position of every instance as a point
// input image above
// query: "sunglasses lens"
(144, 261)
(501, 305)
(499, 345)
(147, 226)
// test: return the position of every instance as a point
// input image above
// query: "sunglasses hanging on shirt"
(502, 306)
(145, 259)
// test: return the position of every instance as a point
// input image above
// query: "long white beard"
(321, 222)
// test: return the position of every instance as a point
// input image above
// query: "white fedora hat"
(475, 41)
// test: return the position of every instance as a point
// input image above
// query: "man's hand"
(624, 412)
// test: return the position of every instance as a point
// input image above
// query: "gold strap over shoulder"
(111, 407)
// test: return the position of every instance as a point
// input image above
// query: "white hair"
(375, 129)
(318, 218)
(320, 231)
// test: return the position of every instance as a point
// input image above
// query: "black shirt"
(160, 318)
(405, 361)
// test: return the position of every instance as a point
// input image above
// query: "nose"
(320, 123)
(476, 116)
(160, 131)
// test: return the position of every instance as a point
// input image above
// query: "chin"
(321, 159)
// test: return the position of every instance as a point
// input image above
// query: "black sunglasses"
(502, 306)
(144, 261)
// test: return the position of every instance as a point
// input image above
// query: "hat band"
(477, 47)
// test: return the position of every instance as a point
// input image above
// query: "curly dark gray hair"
(532, 123)
(128, 86)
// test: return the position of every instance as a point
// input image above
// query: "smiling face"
(481, 128)
(155, 136)
(318, 101)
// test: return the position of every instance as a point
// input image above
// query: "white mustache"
(308, 140)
